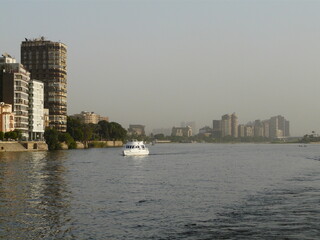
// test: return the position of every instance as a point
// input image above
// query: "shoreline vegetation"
(111, 134)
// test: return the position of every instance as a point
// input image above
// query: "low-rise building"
(6, 117)
(181, 131)
(90, 117)
(205, 131)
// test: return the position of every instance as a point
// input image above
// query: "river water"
(179, 191)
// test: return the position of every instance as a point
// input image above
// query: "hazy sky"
(159, 63)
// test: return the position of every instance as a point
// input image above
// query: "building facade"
(234, 125)
(47, 62)
(241, 130)
(90, 117)
(14, 90)
(226, 125)
(248, 131)
(278, 127)
(216, 128)
(6, 117)
(36, 111)
(258, 130)
(181, 131)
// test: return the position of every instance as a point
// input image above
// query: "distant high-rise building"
(14, 90)
(216, 128)
(234, 125)
(266, 130)
(258, 129)
(226, 125)
(278, 127)
(47, 62)
(273, 127)
(241, 130)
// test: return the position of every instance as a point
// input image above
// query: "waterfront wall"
(103, 144)
(23, 146)
(42, 146)
(94, 144)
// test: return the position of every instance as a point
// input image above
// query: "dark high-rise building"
(47, 61)
(216, 128)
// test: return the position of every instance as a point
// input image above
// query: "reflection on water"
(34, 196)
(180, 191)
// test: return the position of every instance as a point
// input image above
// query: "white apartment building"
(36, 111)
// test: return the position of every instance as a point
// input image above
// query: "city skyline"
(181, 60)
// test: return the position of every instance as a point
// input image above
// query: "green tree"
(52, 139)
(117, 132)
(74, 128)
(1, 136)
(11, 135)
(104, 129)
(18, 134)
(68, 139)
(87, 132)
(159, 136)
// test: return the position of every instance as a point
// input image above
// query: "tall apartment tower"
(14, 90)
(216, 128)
(36, 110)
(226, 125)
(234, 125)
(47, 62)
(279, 127)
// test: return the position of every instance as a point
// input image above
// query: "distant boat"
(135, 148)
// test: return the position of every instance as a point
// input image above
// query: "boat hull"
(135, 153)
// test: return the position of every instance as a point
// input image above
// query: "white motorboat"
(135, 148)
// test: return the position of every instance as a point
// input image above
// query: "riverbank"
(26, 146)
(94, 144)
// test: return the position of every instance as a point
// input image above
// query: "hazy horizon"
(159, 63)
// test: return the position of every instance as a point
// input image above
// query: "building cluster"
(33, 93)
(275, 127)
(89, 117)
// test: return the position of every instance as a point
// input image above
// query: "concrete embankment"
(103, 144)
(94, 144)
(23, 146)
(42, 146)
